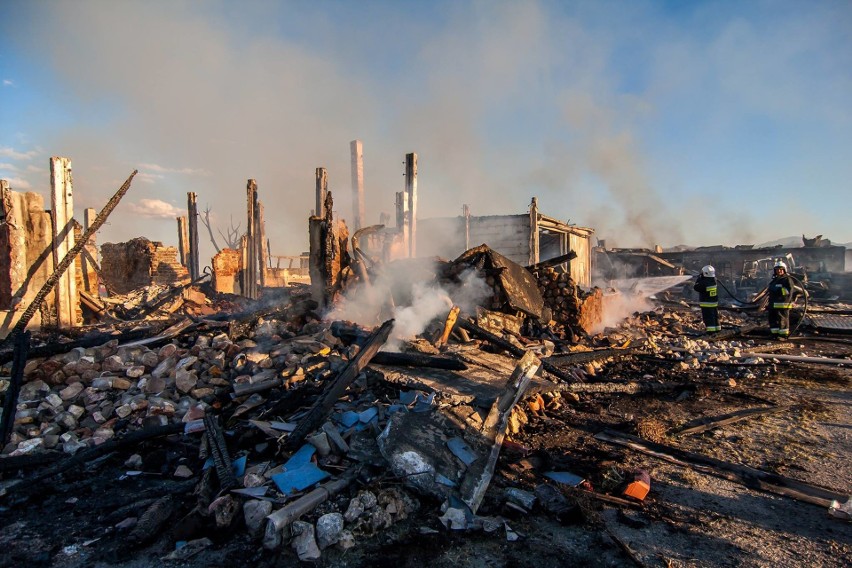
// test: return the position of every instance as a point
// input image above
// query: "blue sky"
(652, 122)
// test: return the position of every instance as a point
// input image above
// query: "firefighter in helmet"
(708, 298)
(783, 291)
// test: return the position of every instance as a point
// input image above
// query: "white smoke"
(632, 295)
(421, 299)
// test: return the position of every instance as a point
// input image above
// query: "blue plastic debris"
(367, 415)
(461, 450)
(239, 466)
(299, 472)
(565, 477)
(424, 402)
(444, 480)
(301, 457)
(290, 481)
(396, 408)
(407, 397)
(349, 418)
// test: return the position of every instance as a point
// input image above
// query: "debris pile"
(299, 436)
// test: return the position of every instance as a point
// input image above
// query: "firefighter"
(708, 298)
(783, 291)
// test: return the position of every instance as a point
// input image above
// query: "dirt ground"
(689, 518)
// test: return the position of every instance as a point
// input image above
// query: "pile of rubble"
(300, 433)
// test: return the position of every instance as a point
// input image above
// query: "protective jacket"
(707, 292)
(783, 292)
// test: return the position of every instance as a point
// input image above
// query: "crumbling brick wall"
(227, 265)
(138, 263)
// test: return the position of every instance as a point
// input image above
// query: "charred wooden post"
(534, 243)
(328, 255)
(402, 218)
(66, 262)
(318, 413)
(10, 401)
(262, 245)
(62, 215)
(13, 244)
(321, 191)
(192, 221)
(479, 475)
(466, 215)
(183, 240)
(359, 218)
(411, 193)
(252, 250)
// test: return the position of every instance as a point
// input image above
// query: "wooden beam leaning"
(30, 311)
(480, 472)
(318, 413)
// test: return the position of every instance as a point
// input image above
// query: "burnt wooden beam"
(10, 399)
(553, 261)
(33, 483)
(418, 360)
(479, 474)
(192, 222)
(318, 413)
(467, 325)
(704, 424)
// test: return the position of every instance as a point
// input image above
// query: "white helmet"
(780, 264)
(708, 271)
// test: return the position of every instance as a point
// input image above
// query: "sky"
(665, 122)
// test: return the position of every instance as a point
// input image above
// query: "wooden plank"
(708, 423)
(10, 398)
(479, 474)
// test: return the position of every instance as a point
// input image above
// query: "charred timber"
(318, 413)
(10, 400)
(418, 360)
(467, 325)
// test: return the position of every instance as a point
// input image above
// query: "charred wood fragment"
(153, 520)
(467, 325)
(10, 399)
(219, 452)
(317, 415)
(418, 360)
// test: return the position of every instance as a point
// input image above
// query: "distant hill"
(787, 242)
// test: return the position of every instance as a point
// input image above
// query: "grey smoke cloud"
(501, 101)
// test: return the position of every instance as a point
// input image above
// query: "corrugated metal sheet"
(830, 322)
